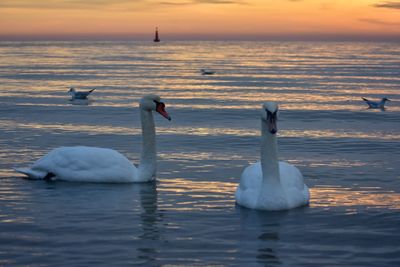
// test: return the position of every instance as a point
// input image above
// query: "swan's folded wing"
(297, 192)
(90, 164)
(250, 182)
(291, 176)
(84, 164)
(251, 177)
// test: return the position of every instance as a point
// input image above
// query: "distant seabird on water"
(78, 95)
(372, 104)
(207, 72)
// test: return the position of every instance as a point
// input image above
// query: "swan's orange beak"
(161, 109)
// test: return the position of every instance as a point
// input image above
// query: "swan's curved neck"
(269, 155)
(148, 158)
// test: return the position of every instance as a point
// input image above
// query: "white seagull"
(207, 72)
(79, 95)
(372, 104)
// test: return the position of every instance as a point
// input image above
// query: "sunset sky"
(200, 19)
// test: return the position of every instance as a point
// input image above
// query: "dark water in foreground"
(349, 155)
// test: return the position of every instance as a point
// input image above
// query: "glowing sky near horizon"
(207, 18)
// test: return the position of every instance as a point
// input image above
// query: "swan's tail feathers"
(366, 100)
(91, 91)
(36, 175)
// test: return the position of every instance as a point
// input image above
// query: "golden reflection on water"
(188, 195)
(205, 195)
(14, 199)
(228, 96)
(198, 156)
(196, 131)
(108, 102)
(348, 197)
(197, 195)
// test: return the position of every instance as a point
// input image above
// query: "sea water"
(348, 154)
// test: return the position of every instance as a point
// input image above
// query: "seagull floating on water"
(207, 72)
(79, 95)
(372, 104)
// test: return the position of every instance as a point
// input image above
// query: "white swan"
(270, 184)
(93, 164)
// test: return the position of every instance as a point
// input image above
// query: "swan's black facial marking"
(272, 118)
(159, 103)
(160, 108)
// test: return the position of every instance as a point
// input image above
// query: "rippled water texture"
(348, 154)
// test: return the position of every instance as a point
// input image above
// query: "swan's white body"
(93, 164)
(270, 184)
(82, 163)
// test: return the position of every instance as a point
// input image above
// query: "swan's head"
(385, 99)
(71, 90)
(269, 115)
(153, 102)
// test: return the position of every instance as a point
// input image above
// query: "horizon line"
(201, 37)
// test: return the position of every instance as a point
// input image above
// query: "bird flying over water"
(372, 104)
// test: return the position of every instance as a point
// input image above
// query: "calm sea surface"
(348, 154)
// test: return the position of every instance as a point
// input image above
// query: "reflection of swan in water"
(150, 216)
(259, 235)
(94, 164)
(150, 220)
(270, 184)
